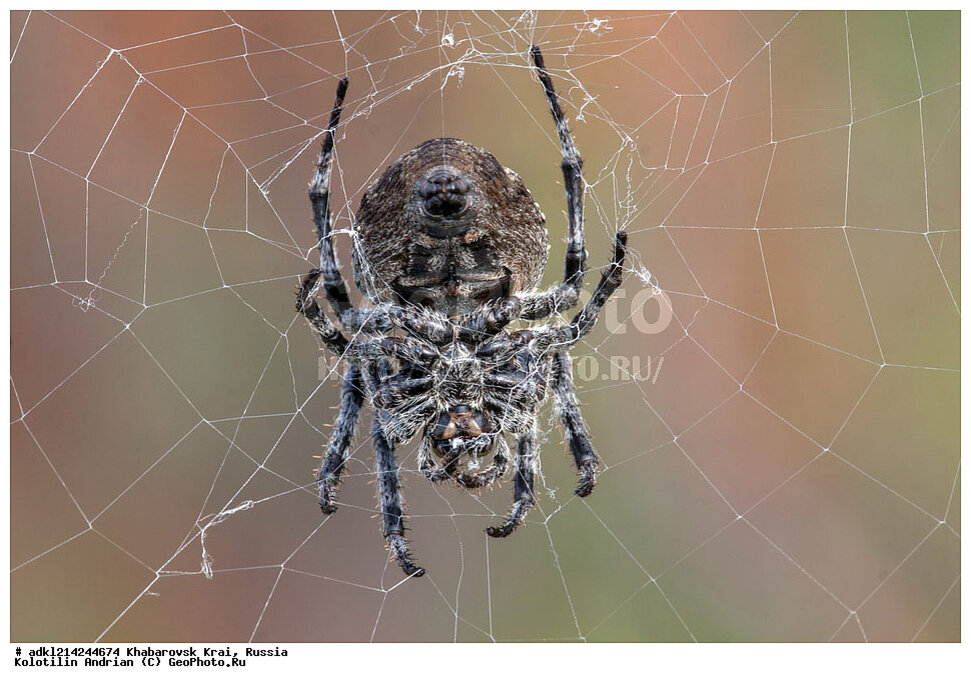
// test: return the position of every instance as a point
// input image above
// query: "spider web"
(780, 462)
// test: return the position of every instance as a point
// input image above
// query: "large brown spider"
(449, 247)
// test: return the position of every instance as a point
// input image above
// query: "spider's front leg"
(334, 287)
(523, 498)
(563, 296)
(389, 490)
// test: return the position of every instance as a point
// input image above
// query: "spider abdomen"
(434, 229)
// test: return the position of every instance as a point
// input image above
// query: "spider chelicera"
(449, 247)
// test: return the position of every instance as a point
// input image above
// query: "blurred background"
(774, 395)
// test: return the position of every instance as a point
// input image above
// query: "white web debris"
(95, 293)
(597, 26)
(457, 72)
(217, 519)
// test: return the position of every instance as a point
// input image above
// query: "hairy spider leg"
(488, 319)
(334, 286)
(332, 468)
(523, 498)
(567, 408)
(331, 337)
(333, 283)
(572, 166)
(395, 390)
(389, 491)
(385, 317)
(584, 321)
(564, 296)
(404, 349)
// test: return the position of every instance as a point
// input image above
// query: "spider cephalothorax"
(449, 246)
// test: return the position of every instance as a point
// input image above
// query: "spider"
(449, 247)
